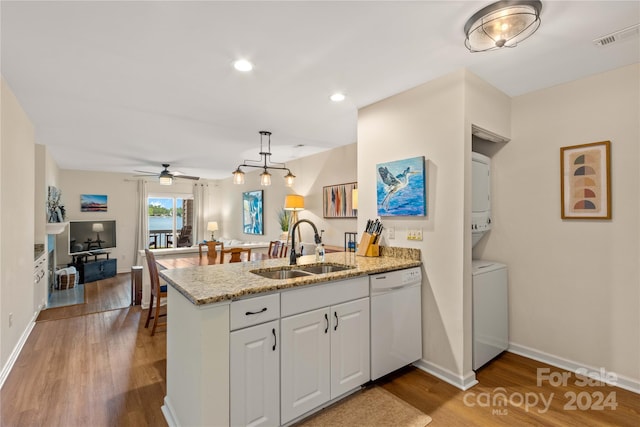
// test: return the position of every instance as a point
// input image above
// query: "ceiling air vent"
(617, 36)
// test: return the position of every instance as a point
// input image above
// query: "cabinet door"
(305, 362)
(255, 375)
(350, 363)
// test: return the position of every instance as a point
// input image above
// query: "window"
(170, 219)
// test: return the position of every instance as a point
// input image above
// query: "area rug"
(373, 406)
(66, 297)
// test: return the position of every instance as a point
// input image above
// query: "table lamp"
(97, 228)
(212, 226)
(293, 203)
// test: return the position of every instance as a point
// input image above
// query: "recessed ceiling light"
(243, 65)
(337, 97)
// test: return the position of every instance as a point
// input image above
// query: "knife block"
(366, 247)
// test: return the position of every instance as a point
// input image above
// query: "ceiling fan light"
(502, 24)
(238, 176)
(166, 180)
(289, 179)
(265, 178)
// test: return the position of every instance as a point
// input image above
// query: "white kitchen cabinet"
(349, 346)
(255, 372)
(305, 376)
(325, 353)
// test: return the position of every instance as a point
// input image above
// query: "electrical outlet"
(10, 319)
(414, 234)
(391, 233)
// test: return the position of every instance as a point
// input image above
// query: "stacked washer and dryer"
(490, 301)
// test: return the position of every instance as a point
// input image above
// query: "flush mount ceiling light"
(502, 24)
(243, 65)
(337, 97)
(265, 176)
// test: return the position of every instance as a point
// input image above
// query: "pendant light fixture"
(502, 24)
(265, 176)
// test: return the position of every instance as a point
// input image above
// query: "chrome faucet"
(293, 257)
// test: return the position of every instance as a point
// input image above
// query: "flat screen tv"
(91, 236)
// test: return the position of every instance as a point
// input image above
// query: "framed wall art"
(93, 203)
(337, 201)
(585, 181)
(252, 212)
(400, 188)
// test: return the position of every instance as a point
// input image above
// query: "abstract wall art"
(337, 201)
(585, 181)
(401, 187)
(252, 212)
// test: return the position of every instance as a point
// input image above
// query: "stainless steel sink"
(290, 272)
(324, 268)
(281, 274)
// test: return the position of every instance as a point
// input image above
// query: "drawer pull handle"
(335, 313)
(326, 318)
(275, 340)
(249, 313)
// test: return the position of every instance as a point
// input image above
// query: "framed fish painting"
(585, 181)
(337, 201)
(401, 187)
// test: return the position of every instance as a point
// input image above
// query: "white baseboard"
(167, 411)
(6, 369)
(569, 365)
(461, 382)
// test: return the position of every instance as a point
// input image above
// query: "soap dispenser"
(320, 252)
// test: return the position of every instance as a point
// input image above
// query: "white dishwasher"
(396, 320)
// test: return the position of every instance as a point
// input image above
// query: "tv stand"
(91, 270)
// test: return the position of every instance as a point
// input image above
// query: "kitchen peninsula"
(236, 340)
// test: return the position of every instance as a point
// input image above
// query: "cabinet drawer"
(323, 295)
(252, 311)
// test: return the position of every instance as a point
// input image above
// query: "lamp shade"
(354, 198)
(294, 202)
(212, 226)
(97, 227)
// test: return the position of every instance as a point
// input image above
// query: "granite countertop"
(223, 282)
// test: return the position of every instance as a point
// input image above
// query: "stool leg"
(146, 325)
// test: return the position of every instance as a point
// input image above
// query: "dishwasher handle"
(383, 290)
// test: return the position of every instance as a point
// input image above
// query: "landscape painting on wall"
(252, 212)
(400, 188)
(93, 203)
(585, 181)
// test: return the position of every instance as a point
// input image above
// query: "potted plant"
(284, 217)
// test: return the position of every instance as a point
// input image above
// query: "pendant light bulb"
(238, 176)
(265, 178)
(289, 179)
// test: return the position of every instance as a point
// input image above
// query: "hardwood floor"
(104, 369)
(515, 378)
(100, 369)
(102, 295)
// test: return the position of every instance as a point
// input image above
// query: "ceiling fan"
(166, 176)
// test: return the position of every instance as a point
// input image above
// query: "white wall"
(574, 284)
(434, 120)
(17, 157)
(336, 166)
(122, 204)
